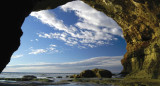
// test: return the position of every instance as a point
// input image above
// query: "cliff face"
(140, 22)
(139, 19)
(12, 15)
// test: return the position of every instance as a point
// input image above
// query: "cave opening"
(69, 39)
(75, 37)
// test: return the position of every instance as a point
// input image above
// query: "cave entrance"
(69, 39)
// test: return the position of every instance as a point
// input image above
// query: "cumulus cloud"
(17, 56)
(48, 50)
(105, 62)
(38, 51)
(92, 29)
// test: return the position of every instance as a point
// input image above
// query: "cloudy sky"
(69, 39)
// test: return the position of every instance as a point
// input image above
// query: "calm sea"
(44, 75)
(39, 75)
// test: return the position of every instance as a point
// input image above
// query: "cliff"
(139, 19)
(140, 22)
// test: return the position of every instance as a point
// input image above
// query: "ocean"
(39, 75)
(44, 75)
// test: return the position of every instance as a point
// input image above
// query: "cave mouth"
(69, 35)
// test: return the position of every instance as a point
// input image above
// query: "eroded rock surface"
(140, 22)
(139, 19)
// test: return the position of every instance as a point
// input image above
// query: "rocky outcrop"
(102, 73)
(139, 19)
(140, 22)
(28, 77)
(99, 73)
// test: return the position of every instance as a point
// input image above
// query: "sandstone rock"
(87, 74)
(140, 23)
(100, 73)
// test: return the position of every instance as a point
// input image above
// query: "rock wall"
(140, 22)
(139, 19)
(12, 16)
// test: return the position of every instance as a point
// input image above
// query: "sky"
(68, 39)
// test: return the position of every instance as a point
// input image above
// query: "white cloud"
(92, 28)
(49, 50)
(91, 19)
(38, 51)
(105, 62)
(17, 56)
(37, 40)
(52, 45)
(34, 40)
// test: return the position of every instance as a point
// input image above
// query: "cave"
(139, 21)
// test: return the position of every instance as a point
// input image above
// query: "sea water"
(75, 84)
(38, 75)
(45, 75)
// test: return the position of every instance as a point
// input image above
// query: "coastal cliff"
(139, 20)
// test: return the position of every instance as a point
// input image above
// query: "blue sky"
(69, 39)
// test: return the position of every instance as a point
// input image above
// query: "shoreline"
(85, 81)
(31, 83)
(34, 82)
(120, 81)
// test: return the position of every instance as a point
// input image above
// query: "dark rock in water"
(100, 73)
(49, 77)
(28, 77)
(67, 76)
(59, 77)
(87, 74)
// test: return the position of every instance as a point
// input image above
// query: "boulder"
(102, 73)
(28, 77)
(59, 77)
(99, 73)
(87, 74)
